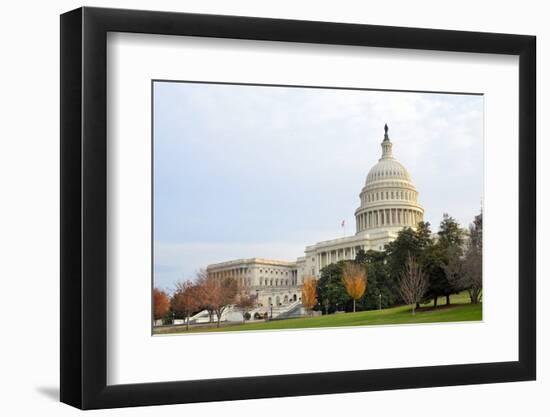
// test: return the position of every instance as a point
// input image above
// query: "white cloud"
(265, 164)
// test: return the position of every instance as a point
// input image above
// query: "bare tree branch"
(414, 283)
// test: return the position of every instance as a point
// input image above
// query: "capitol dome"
(386, 169)
(389, 199)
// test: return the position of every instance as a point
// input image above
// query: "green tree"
(431, 261)
(409, 243)
(450, 233)
(361, 257)
(436, 258)
(331, 292)
(380, 293)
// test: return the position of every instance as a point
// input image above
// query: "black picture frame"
(84, 207)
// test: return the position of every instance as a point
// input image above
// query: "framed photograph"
(259, 208)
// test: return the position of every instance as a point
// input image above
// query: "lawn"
(459, 310)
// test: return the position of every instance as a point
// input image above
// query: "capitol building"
(388, 203)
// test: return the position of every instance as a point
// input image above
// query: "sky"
(246, 171)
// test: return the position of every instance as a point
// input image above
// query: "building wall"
(388, 202)
(274, 282)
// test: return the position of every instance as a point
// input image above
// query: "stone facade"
(388, 202)
(274, 282)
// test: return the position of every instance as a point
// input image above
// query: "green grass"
(459, 310)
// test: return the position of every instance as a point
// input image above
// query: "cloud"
(181, 261)
(265, 165)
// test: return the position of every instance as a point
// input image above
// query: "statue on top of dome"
(386, 132)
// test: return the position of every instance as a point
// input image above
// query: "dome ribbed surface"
(387, 169)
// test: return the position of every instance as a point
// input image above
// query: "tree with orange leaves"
(186, 299)
(161, 304)
(309, 293)
(216, 294)
(354, 277)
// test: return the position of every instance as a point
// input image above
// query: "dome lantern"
(386, 145)
(389, 199)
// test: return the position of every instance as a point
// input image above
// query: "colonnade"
(387, 217)
(335, 255)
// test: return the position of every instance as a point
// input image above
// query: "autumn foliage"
(354, 277)
(186, 299)
(161, 304)
(309, 293)
(216, 294)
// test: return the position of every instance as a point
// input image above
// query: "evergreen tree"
(331, 292)
(380, 292)
(435, 257)
(409, 243)
(450, 233)
(361, 257)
